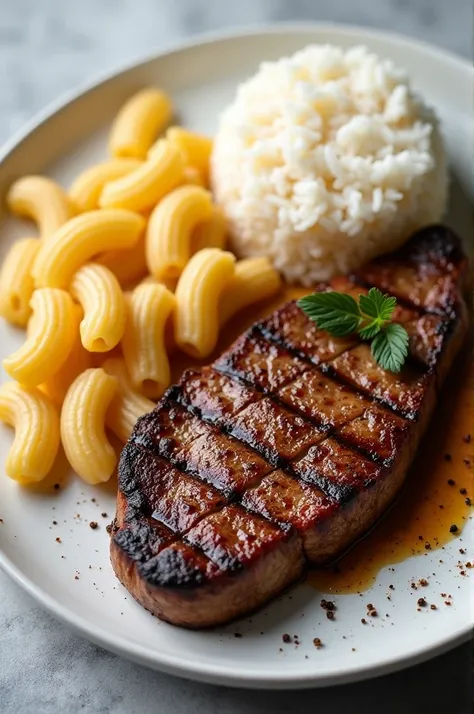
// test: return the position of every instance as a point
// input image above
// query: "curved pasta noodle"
(139, 122)
(99, 293)
(146, 186)
(42, 200)
(170, 228)
(128, 405)
(36, 423)
(80, 239)
(197, 300)
(78, 360)
(86, 189)
(83, 425)
(16, 281)
(144, 348)
(49, 341)
(211, 233)
(195, 148)
(129, 265)
(254, 279)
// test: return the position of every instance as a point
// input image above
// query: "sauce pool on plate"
(439, 486)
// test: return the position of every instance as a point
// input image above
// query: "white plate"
(202, 77)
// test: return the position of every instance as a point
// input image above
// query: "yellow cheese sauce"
(429, 503)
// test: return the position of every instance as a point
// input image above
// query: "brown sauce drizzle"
(416, 522)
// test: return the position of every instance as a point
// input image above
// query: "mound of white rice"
(325, 160)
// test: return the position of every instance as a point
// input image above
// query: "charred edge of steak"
(436, 243)
(171, 569)
(139, 541)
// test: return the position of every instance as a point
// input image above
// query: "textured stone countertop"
(47, 47)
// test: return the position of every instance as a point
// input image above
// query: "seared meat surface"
(286, 449)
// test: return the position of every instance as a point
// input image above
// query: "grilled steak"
(285, 450)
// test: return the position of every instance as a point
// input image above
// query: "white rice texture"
(325, 160)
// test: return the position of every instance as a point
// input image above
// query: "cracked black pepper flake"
(373, 613)
(421, 602)
(427, 546)
(55, 523)
(433, 607)
(364, 621)
(93, 500)
(76, 577)
(467, 501)
(423, 582)
(317, 642)
(391, 587)
(370, 606)
(109, 528)
(56, 486)
(104, 515)
(237, 634)
(467, 438)
(448, 457)
(420, 537)
(93, 525)
(286, 638)
(328, 605)
(451, 481)
(58, 540)
(446, 602)
(453, 528)
(463, 491)
(330, 614)
(467, 462)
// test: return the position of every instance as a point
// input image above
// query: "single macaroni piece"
(149, 307)
(129, 265)
(197, 300)
(145, 187)
(86, 189)
(139, 122)
(170, 228)
(80, 239)
(16, 282)
(195, 148)
(211, 233)
(83, 425)
(36, 423)
(194, 176)
(128, 405)
(99, 293)
(254, 279)
(42, 200)
(50, 338)
(78, 360)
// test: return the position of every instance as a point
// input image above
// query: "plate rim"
(217, 673)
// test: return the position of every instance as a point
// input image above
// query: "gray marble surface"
(47, 47)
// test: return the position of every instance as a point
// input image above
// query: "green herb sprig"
(341, 315)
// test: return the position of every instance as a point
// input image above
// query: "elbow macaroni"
(83, 425)
(197, 300)
(144, 347)
(49, 341)
(99, 293)
(16, 281)
(138, 123)
(254, 279)
(145, 187)
(193, 176)
(36, 423)
(42, 200)
(195, 148)
(78, 360)
(170, 228)
(82, 238)
(86, 189)
(128, 405)
(211, 233)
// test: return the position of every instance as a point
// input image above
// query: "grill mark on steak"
(232, 546)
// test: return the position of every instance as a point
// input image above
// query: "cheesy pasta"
(99, 293)
(49, 341)
(170, 228)
(149, 307)
(80, 239)
(42, 200)
(86, 189)
(127, 405)
(87, 447)
(195, 148)
(197, 299)
(139, 122)
(16, 281)
(36, 423)
(254, 279)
